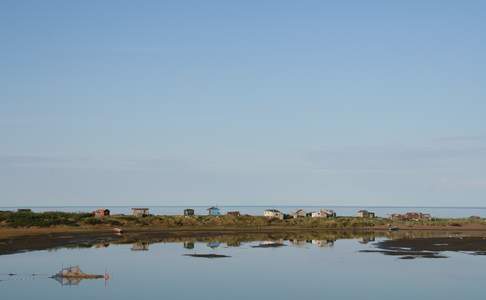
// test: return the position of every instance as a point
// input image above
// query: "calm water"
(445, 212)
(331, 268)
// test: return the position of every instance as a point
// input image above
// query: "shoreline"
(375, 225)
(10, 232)
(29, 231)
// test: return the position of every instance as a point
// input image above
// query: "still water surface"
(331, 268)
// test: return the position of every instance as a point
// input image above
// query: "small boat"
(74, 272)
(393, 228)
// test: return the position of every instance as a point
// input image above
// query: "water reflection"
(403, 243)
(140, 246)
(189, 244)
(366, 240)
(431, 247)
(213, 244)
(68, 281)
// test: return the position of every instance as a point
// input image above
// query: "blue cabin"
(213, 211)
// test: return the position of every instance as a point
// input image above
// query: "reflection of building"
(189, 245)
(213, 245)
(140, 246)
(102, 245)
(323, 243)
(188, 212)
(299, 243)
(365, 214)
(273, 213)
(213, 211)
(140, 211)
(367, 239)
(233, 244)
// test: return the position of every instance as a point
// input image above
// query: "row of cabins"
(271, 213)
(143, 212)
(212, 211)
(323, 213)
(411, 216)
(137, 212)
(274, 213)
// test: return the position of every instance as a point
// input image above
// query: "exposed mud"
(211, 255)
(433, 247)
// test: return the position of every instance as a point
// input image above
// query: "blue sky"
(243, 102)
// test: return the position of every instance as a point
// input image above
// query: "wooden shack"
(213, 211)
(101, 212)
(140, 211)
(365, 214)
(300, 213)
(273, 213)
(188, 212)
(323, 213)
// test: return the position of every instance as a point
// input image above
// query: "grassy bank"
(27, 219)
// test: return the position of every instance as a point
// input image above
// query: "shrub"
(93, 221)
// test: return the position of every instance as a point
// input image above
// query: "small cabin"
(140, 211)
(188, 212)
(323, 213)
(234, 213)
(365, 214)
(411, 216)
(300, 213)
(101, 212)
(273, 213)
(213, 211)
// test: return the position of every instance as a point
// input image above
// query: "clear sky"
(243, 102)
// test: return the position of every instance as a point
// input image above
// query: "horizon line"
(235, 205)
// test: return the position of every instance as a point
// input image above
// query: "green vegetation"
(47, 219)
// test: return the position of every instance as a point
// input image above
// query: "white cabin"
(273, 213)
(323, 213)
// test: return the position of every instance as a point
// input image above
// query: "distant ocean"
(441, 212)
